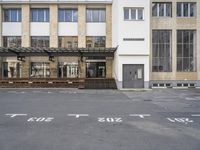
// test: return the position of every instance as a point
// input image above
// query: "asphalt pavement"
(72, 119)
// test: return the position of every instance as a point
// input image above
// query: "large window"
(39, 41)
(186, 50)
(68, 15)
(95, 41)
(133, 13)
(67, 70)
(11, 69)
(186, 9)
(40, 70)
(96, 15)
(161, 51)
(95, 69)
(162, 10)
(12, 15)
(39, 15)
(11, 41)
(68, 41)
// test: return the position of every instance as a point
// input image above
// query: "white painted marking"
(40, 119)
(195, 115)
(110, 120)
(140, 115)
(78, 115)
(14, 115)
(180, 120)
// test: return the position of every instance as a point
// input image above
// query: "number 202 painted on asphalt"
(110, 120)
(40, 119)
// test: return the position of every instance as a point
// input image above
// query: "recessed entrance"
(133, 76)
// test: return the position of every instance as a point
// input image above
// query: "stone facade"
(25, 25)
(108, 25)
(53, 25)
(81, 25)
(109, 67)
(174, 23)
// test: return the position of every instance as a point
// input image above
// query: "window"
(133, 13)
(40, 70)
(11, 69)
(161, 51)
(95, 69)
(67, 70)
(68, 41)
(40, 15)
(95, 41)
(39, 41)
(12, 15)
(162, 10)
(96, 15)
(186, 50)
(186, 9)
(11, 41)
(68, 15)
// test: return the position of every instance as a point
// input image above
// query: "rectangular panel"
(40, 29)
(96, 29)
(67, 29)
(12, 29)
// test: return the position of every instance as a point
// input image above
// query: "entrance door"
(133, 76)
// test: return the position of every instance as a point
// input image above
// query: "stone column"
(1, 20)
(54, 25)
(81, 25)
(25, 25)
(1, 67)
(109, 67)
(82, 68)
(26, 68)
(53, 68)
(108, 25)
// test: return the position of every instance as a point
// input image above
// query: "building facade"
(135, 43)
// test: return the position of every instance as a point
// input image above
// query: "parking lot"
(72, 119)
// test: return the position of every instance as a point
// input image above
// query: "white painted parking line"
(14, 115)
(195, 115)
(78, 115)
(140, 115)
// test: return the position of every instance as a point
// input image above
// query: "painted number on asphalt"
(110, 120)
(180, 120)
(40, 119)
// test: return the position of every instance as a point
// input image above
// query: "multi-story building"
(175, 51)
(62, 39)
(136, 43)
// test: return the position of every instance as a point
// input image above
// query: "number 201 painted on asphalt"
(110, 120)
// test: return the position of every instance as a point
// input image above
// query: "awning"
(32, 51)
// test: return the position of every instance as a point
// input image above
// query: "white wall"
(96, 29)
(39, 29)
(67, 29)
(131, 52)
(11, 29)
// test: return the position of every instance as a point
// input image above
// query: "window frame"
(183, 46)
(18, 15)
(46, 15)
(189, 10)
(92, 17)
(162, 55)
(137, 9)
(38, 38)
(94, 39)
(165, 9)
(73, 10)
